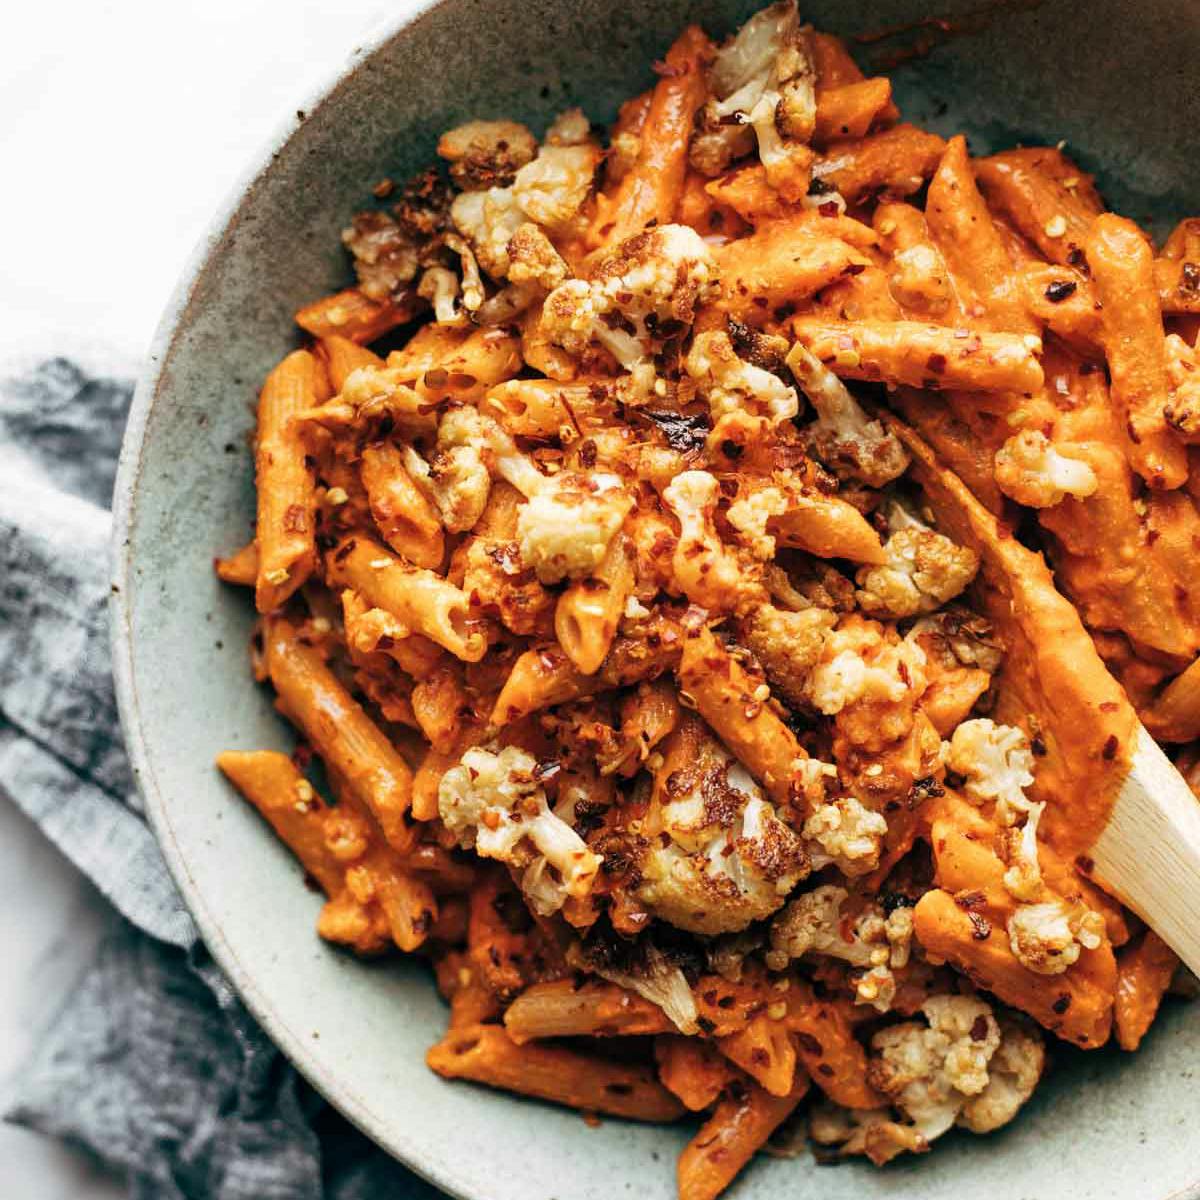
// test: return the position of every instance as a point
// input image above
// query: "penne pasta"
(735, 705)
(241, 567)
(1122, 270)
(650, 190)
(935, 357)
(736, 1131)
(564, 1009)
(420, 600)
(486, 1054)
(342, 733)
(356, 317)
(589, 611)
(407, 520)
(285, 533)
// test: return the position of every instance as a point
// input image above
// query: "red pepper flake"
(1109, 706)
(828, 209)
(1085, 863)
(969, 900)
(1060, 290)
(854, 269)
(979, 1030)
(1110, 747)
(344, 551)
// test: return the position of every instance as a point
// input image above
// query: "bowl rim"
(337, 1091)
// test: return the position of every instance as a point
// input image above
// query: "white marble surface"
(122, 126)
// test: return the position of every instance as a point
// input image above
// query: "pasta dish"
(715, 565)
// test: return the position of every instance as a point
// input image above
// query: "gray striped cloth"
(151, 1062)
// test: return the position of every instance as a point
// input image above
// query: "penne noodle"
(564, 1008)
(919, 278)
(851, 109)
(589, 611)
(729, 699)
(486, 1054)
(407, 520)
(781, 263)
(730, 1138)
(1122, 268)
(1144, 972)
(275, 786)
(650, 190)
(356, 317)
(829, 528)
(420, 600)
(340, 357)
(692, 1069)
(924, 356)
(1045, 196)
(239, 568)
(340, 731)
(971, 245)
(285, 532)
(897, 161)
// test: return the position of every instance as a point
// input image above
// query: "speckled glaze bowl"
(1115, 79)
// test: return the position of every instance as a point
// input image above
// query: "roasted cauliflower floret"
(813, 924)
(646, 290)
(749, 516)
(924, 570)
(565, 527)
(963, 638)
(723, 858)
(846, 834)
(930, 1071)
(553, 188)
(705, 568)
(439, 285)
(489, 221)
(385, 254)
(1047, 938)
(843, 437)
(996, 763)
(456, 475)
(1013, 1073)
(485, 154)
(858, 663)
(1031, 471)
(1023, 877)
(532, 259)
(493, 801)
(788, 644)
(872, 1131)
(730, 384)
(763, 87)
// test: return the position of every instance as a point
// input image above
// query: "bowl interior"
(1114, 80)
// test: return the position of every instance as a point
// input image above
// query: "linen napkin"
(151, 1062)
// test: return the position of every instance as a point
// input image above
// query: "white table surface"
(122, 127)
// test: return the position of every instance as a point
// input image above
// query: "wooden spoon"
(1132, 822)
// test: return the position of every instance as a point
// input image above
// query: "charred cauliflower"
(763, 87)
(1031, 471)
(924, 570)
(493, 801)
(843, 437)
(723, 858)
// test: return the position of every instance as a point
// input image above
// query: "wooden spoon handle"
(1148, 854)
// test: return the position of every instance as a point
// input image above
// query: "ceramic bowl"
(1116, 80)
